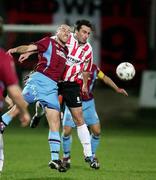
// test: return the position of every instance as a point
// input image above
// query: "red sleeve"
(7, 69)
(42, 44)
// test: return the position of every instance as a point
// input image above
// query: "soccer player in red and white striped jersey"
(80, 57)
(79, 61)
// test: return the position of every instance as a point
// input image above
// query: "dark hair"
(82, 22)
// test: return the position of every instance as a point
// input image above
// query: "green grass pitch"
(124, 154)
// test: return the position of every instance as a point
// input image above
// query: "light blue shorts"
(43, 89)
(89, 114)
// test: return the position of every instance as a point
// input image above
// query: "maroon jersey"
(7, 73)
(91, 82)
(52, 58)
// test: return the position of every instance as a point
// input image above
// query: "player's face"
(83, 34)
(63, 33)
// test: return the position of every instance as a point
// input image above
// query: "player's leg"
(95, 140)
(72, 98)
(95, 137)
(39, 112)
(66, 145)
(52, 116)
(47, 95)
(68, 124)
(92, 120)
(7, 118)
(82, 130)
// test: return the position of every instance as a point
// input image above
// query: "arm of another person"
(24, 50)
(15, 94)
(85, 76)
(86, 72)
(107, 80)
(9, 102)
(14, 91)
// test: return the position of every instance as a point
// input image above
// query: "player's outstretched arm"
(25, 56)
(24, 50)
(111, 83)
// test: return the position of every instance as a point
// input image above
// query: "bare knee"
(77, 115)
(67, 130)
(96, 130)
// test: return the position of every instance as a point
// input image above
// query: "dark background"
(125, 36)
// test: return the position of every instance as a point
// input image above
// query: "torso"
(79, 56)
(52, 58)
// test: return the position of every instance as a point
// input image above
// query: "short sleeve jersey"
(52, 58)
(7, 73)
(80, 58)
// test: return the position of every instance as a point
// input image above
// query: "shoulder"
(2, 51)
(4, 55)
(44, 39)
(90, 47)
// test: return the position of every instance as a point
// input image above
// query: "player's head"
(82, 30)
(63, 33)
(1, 25)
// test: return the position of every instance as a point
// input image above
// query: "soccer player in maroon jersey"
(9, 83)
(89, 113)
(42, 84)
(79, 61)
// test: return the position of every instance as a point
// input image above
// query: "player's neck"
(80, 43)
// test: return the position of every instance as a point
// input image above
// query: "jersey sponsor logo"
(71, 61)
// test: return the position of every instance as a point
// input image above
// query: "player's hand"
(25, 119)
(11, 51)
(122, 91)
(85, 90)
(23, 57)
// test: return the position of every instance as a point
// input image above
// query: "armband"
(101, 75)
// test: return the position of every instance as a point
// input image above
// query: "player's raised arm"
(107, 80)
(24, 50)
(25, 56)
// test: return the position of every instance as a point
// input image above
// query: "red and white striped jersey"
(80, 58)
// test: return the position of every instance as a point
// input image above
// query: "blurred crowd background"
(125, 30)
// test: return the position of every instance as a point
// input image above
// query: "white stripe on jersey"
(79, 57)
(72, 73)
